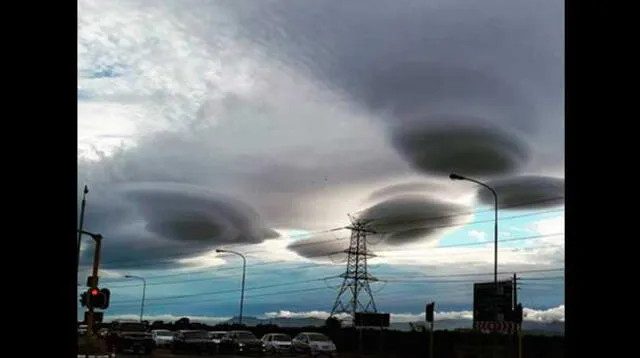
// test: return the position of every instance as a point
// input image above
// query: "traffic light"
(84, 299)
(107, 295)
(429, 311)
(98, 298)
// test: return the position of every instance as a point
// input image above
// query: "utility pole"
(84, 203)
(94, 282)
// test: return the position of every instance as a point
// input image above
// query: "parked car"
(162, 338)
(192, 341)
(216, 336)
(277, 343)
(314, 344)
(133, 336)
(241, 342)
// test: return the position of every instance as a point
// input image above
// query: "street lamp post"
(495, 223)
(80, 230)
(144, 289)
(244, 270)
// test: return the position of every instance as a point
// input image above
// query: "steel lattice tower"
(356, 277)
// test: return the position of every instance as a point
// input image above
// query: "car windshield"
(196, 334)
(217, 335)
(316, 337)
(164, 333)
(281, 338)
(132, 327)
(245, 335)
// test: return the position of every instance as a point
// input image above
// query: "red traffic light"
(94, 292)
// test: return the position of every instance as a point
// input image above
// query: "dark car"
(129, 336)
(192, 341)
(241, 342)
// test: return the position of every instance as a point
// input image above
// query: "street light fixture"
(454, 176)
(244, 270)
(144, 289)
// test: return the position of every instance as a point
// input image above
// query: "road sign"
(491, 305)
(369, 319)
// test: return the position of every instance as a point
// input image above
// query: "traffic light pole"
(94, 284)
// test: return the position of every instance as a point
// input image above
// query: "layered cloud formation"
(163, 222)
(216, 123)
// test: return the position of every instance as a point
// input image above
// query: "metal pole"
(495, 239)
(84, 202)
(431, 341)
(520, 340)
(144, 289)
(244, 271)
(94, 284)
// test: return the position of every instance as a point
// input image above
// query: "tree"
(333, 324)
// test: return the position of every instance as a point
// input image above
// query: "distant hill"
(532, 327)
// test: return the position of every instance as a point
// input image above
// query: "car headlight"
(240, 344)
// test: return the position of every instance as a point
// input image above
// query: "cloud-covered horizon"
(555, 314)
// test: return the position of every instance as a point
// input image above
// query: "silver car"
(314, 344)
(277, 343)
(162, 337)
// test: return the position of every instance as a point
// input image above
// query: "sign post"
(429, 318)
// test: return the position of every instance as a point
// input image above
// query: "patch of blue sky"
(108, 71)
(515, 228)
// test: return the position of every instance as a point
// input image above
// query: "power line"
(307, 266)
(214, 293)
(318, 232)
(154, 261)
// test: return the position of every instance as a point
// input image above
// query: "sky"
(267, 127)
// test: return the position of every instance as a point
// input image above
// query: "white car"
(314, 343)
(277, 343)
(162, 337)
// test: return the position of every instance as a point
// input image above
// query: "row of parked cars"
(136, 336)
(243, 342)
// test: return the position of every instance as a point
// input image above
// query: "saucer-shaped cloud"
(166, 222)
(186, 213)
(326, 247)
(525, 192)
(461, 148)
(409, 218)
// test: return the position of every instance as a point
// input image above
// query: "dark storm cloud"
(470, 149)
(405, 188)
(168, 221)
(412, 217)
(416, 63)
(525, 192)
(322, 247)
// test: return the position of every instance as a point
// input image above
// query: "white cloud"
(166, 318)
(479, 235)
(550, 315)
(549, 226)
